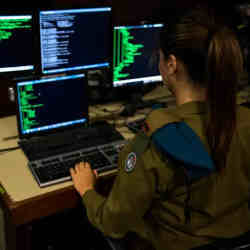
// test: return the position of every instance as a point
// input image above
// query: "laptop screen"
(51, 103)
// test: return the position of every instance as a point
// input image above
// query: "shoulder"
(242, 110)
(143, 153)
(142, 145)
(162, 113)
(133, 151)
(243, 127)
(159, 118)
(243, 116)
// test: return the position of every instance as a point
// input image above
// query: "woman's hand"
(83, 177)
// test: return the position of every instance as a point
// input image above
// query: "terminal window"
(52, 103)
(134, 56)
(16, 43)
(75, 39)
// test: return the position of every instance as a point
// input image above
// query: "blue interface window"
(75, 39)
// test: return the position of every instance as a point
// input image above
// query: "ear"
(171, 64)
(167, 66)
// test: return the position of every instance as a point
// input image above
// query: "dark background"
(124, 12)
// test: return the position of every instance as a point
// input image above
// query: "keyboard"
(68, 141)
(54, 170)
(50, 157)
(136, 125)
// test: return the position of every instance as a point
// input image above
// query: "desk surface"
(22, 191)
(15, 176)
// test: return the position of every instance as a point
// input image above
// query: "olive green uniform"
(219, 203)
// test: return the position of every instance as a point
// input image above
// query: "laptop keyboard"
(56, 169)
(51, 157)
(64, 142)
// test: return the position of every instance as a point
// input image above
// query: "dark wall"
(127, 11)
(6, 107)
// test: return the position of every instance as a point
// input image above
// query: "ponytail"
(224, 63)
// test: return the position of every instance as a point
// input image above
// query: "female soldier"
(185, 181)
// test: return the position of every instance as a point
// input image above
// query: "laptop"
(54, 129)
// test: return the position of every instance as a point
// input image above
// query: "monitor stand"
(130, 106)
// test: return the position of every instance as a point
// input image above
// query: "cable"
(114, 114)
(105, 110)
(3, 150)
(10, 138)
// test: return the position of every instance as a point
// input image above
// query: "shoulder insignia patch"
(130, 162)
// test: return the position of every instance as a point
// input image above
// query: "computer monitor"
(52, 103)
(75, 39)
(134, 55)
(16, 43)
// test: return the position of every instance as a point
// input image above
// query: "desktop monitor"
(75, 39)
(134, 55)
(16, 43)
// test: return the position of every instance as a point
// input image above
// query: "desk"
(24, 201)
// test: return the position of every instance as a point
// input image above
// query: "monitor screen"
(50, 103)
(16, 43)
(134, 55)
(76, 39)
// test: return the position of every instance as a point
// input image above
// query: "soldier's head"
(201, 46)
(200, 49)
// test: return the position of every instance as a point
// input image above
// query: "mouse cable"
(3, 150)
(10, 138)
(113, 113)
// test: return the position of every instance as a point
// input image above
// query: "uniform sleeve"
(128, 201)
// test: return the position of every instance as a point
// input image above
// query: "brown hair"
(212, 55)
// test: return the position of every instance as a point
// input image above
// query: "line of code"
(8, 26)
(28, 109)
(57, 31)
(125, 52)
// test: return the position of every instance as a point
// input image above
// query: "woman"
(185, 180)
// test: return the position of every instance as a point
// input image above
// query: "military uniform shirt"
(148, 195)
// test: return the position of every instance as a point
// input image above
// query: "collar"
(190, 108)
